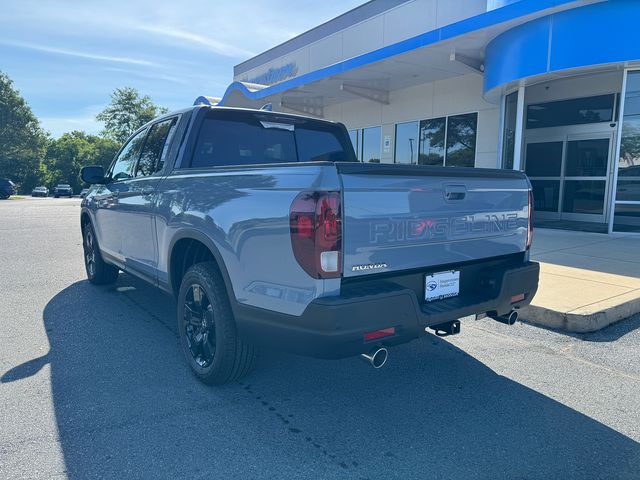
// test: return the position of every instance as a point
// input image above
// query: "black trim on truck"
(334, 327)
(396, 169)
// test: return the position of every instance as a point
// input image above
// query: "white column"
(517, 151)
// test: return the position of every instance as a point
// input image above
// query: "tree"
(74, 150)
(127, 112)
(22, 140)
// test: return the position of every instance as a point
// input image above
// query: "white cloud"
(221, 48)
(76, 53)
(149, 76)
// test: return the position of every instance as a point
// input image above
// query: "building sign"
(387, 144)
(276, 75)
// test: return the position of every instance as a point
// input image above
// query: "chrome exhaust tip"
(509, 319)
(376, 357)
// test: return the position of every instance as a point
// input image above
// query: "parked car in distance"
(7, 188)
(270, 233)
(83, 192)
(40, 192)
(63, 190)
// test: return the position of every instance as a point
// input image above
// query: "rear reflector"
(517, 298)
(375, 335)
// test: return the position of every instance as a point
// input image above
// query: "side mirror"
(93, 175)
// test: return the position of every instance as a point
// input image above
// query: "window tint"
(432, 134)
(123, 168)
(576, 111)
(509, 132)
(544, 159)
(587, 158)
(407, 142)
(354, 136)
(156, 147)
(241, 139)
(371, 144)
(461, 140)
(319, 146)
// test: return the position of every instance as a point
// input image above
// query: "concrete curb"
(580, 322)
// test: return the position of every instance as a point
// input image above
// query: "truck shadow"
(127, 407)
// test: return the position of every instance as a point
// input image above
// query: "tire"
(204, 312)
(98, 272)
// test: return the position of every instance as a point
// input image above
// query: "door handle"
(455, 192)
(147, 191)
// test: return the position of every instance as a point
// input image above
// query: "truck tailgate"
(399, 217)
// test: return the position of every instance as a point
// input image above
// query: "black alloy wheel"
(199, 326)
(98, 272)
(207, 328)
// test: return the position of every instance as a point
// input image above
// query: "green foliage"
(72, 151)
(127, 112)
(22, 140)
(30, 158)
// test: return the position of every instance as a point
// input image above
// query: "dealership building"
(550, 87)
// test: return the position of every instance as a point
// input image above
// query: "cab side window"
(156, 147)
(126, 161)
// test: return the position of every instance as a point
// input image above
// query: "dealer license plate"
(442, 285)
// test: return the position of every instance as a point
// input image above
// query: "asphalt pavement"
(93, 385)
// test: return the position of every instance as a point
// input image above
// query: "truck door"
(109, 225)
(136, 205)
(125, 205)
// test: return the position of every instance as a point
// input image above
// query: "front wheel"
(98, 272)
(207, 328)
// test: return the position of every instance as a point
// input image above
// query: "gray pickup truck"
(270, 233)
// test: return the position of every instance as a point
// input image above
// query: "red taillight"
(530, 224)
(315, 219)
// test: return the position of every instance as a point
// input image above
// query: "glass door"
(584, 192)
(544, 165)
(570, 175)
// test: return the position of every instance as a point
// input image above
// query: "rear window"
(252, 139)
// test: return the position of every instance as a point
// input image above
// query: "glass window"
(371, 144)
(319, 146)
(406, 149)
(124, 164)
(354, 136)
(241, 139)
(432, 137)
(627, 218)
(587, 158)
(632, 97)
(546, 194)
(576, 111)
(155, 147)
(461, 140)
(584, 196)
(509, 133)
(629, 166)
(544, 159)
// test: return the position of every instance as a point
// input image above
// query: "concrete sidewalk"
(587, 280)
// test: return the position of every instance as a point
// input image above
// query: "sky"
(67, 56)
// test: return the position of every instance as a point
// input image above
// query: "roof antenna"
(267, 107)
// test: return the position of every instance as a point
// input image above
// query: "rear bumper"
(334, 327)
